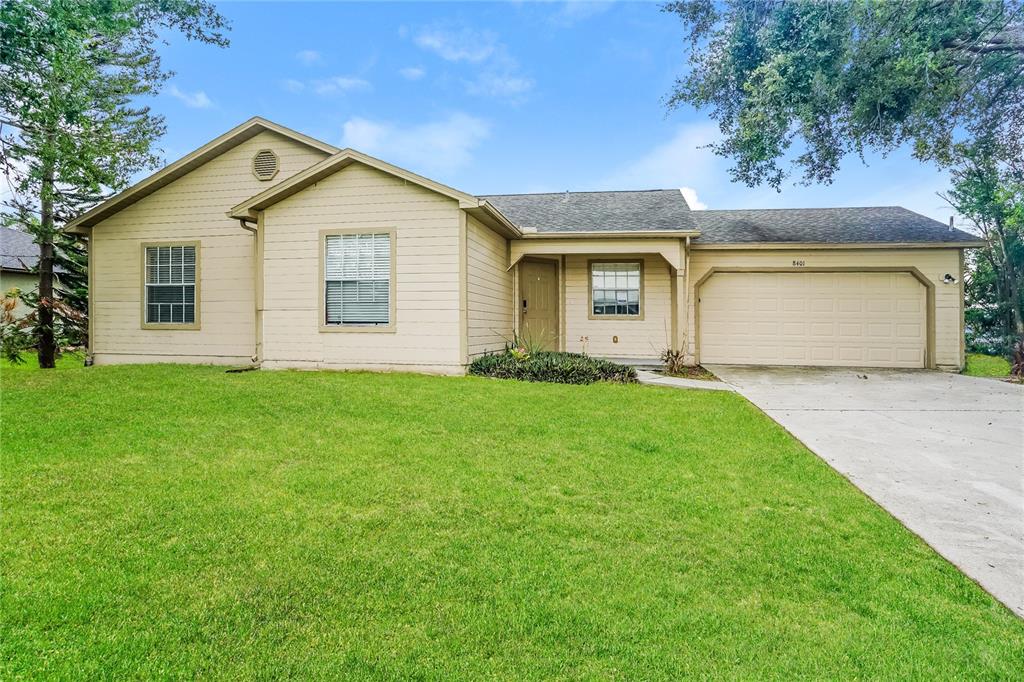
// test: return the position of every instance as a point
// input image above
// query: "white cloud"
(682, 161)
(690, 194)
(413, 73)
(441, 146)
(462, 44)
(498, 74)
(339, 84)
(309, 57)
(499, 85)
(192, 100)
(573, 11)
(292, 85)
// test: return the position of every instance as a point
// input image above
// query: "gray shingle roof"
(657, 209)
(666, 209)
(878, 224)
(17, 250)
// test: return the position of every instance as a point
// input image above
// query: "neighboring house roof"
(877, 224)
(234, 137)
(17, 250)
(569, 212)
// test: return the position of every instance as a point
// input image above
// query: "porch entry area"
(624, 306)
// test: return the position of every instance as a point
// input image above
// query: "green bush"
(559, 368)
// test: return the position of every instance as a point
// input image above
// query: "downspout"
(90, 288)
(686, 283)
(245, 225)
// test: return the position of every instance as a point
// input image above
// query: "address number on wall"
(799, 263)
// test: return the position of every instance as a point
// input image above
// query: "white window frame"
(639, 315)
(147, 286)
(322, 282)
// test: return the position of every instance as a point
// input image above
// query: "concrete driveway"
(943, 453)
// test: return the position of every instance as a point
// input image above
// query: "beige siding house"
(266, 246)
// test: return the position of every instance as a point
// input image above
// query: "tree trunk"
(47, 350)
(1012, 280)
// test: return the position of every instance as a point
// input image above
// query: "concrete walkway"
(647, 377)
(943, 453)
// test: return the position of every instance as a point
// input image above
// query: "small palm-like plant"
(674, 361)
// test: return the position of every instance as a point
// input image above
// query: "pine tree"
(71, 129)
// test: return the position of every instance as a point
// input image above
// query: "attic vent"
(264, 164)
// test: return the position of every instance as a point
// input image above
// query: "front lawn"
(180, 522)
(980, 365)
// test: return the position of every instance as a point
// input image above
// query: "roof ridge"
(804, 208)
(586, 191)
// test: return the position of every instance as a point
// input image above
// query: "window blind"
(357, 274)
(170, 284)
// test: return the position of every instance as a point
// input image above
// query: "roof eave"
(973, 244)
(614, 234)
(488, 213)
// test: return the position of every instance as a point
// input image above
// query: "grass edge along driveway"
(170, 521)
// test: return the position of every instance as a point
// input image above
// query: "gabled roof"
(234, 137)
(248, 209)
(859, 225)
(573, 212)
(17, 250)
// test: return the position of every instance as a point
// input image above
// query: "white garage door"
(852, 319)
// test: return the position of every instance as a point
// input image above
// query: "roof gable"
(248, 209)
(188, 163)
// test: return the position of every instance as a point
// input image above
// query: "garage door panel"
(842, 319)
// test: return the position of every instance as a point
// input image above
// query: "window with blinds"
(170, 284)
(357, 274)
(615, 288)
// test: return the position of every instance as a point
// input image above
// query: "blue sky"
(491, 98)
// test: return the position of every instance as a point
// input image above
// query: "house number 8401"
(799, 264)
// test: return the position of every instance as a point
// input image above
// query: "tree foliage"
(72, 130)
(800, 84)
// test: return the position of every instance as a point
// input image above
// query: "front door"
(538, 293)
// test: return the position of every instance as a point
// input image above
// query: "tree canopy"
(797, 85)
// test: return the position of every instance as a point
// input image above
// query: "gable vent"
(264, 164)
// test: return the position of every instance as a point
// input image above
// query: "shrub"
(559, 368)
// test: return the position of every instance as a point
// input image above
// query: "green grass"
(180, 522)
(980, 365)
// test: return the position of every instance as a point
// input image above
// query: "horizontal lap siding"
(489, 289)
(934, 264)
(190, 208)
(642, 339)
(427, 325)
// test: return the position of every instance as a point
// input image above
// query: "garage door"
(852, 319)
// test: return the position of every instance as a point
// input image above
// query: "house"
(19, 256)
(268, 246)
